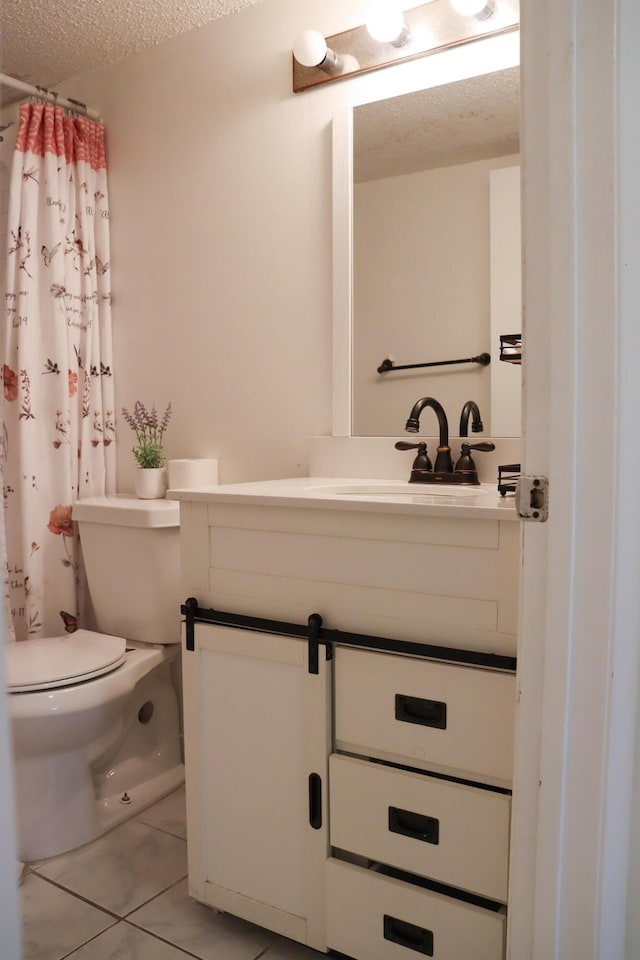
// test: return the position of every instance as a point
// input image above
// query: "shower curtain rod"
(44, 94)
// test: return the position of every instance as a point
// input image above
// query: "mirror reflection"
(436, 252)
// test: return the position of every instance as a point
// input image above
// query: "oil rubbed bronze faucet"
(472, 409)
(443, 471)
(444, 463)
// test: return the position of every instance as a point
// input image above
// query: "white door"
(581, 581)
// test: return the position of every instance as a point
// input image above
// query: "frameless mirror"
(436, 253)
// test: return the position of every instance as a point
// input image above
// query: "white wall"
(421, 292)
(220, 188)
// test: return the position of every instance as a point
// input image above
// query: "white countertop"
(481, 502)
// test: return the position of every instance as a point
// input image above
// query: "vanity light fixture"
(386, 23)
(310, 50)
(481, 9)
(417, 32)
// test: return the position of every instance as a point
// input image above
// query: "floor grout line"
(168, 833)
(149, 933)
(78, 896)
(90, 940)
(174, 883)
(170, 943)
(111, 913)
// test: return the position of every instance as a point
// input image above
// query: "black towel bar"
(484, 359)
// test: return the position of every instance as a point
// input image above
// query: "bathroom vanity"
(350, 691)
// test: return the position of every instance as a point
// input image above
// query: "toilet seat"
(48, 662)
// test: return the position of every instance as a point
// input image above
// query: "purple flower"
(149, 452)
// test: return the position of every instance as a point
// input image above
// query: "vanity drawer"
(448, 832)
(375, 917)
(444, 717)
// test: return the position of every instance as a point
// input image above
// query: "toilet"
(95, 715)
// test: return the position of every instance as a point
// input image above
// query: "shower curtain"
(58, 431)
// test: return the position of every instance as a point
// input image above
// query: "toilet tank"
(131, 553)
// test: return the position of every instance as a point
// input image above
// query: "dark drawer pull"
(315, 800)
(428, 713)
(408, 935)
(414, 825)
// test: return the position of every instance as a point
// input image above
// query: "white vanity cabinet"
(363, 808)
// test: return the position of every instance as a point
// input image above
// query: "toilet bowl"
(95, 717)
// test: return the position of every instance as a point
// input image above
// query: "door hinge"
(532, 498)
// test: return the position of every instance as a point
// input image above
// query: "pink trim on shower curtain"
(43, 128)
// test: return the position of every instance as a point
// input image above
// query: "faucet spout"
(444, 463)
(413, 423)
(472, 410)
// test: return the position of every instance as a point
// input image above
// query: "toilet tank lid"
(128, 511)
(43, 662)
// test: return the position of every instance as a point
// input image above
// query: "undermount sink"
(395, 488)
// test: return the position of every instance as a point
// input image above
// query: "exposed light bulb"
(473, 8)
(311, 50)
(385, 23)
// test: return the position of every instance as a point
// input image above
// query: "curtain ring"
(78, 106)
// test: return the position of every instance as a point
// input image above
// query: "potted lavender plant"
(151, 478)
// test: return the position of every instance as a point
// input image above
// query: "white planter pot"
(151, 483)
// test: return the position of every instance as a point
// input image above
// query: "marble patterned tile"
(169, 814)
(124, 942)
(174, 916)
(54, 922)
(123, 869)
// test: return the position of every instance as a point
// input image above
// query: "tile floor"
(124, 897)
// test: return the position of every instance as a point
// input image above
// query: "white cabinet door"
(257, 741)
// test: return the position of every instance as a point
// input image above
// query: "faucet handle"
(465, 464)
(485, 447)
(405, 445)
(422, 461)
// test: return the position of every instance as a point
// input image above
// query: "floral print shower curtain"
(58, 430)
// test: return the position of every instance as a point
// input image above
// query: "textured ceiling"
(47, 41)
(456, 123)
